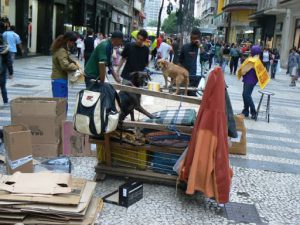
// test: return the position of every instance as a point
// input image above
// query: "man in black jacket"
(88, 45)
(189, 56)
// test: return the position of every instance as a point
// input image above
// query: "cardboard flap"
(36, 183)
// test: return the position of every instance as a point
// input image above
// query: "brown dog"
(177, 74)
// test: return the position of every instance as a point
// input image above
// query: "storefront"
(119, 22)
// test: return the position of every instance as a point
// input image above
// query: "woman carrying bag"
(62, 64)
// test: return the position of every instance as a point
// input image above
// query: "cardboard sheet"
(36, 183)
(71, 198)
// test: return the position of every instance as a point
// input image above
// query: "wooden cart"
(146, 175)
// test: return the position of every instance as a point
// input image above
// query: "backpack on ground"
(95, 110)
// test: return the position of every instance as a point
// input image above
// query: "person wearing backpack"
(5, 64)
(62, 64)
(103, 53)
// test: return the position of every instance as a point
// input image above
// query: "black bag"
(95, 110)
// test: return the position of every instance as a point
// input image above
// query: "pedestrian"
(164, 50)
(274, 62)
(103, 53)
(225, 56)
(266, 58)
(175, 50)
(13, 40)
(136, 56)
(293, 66)
(80, 46)
(98, 39)
(250, 80)
(88, 46)
(189, 56)
(234, 61)
(62, 64)
(5, 64)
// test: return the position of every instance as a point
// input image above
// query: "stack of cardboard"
(44, 117)
(69, 201)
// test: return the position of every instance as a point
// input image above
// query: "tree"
(196, 22)
(152, 23)
(159, 18)
(170, 24)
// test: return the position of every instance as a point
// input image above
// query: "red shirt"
(159, 41)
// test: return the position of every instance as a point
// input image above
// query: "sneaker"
(253, 117)
(292, 84)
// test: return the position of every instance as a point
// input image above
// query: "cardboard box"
(239, 144)
(46, 150)
(43, 116)
(74, 143)
(17, 140)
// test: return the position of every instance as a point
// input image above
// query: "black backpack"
(95, 112)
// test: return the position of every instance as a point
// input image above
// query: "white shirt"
(164, 50)
(266, 56)
(79, 43)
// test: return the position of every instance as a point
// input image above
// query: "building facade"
(221, 22)
(206, 11)
(239, 28)
(151, 10)
(39, 22)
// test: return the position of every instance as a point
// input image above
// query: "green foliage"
(170, 24)
(152, 23)
(196, 22)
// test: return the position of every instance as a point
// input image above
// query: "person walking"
(5, 64)
(266, 58)
(103, 53)
(80, 46)
(175, 50)
(62, 64)
(234, 61)
(189, 56)
(136, 56)
(250, 80)
(274, 62)
(293, 66)
(13, 40)
(164, 50)
(225, 54)
(88, 46)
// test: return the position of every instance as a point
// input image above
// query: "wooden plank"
(147, 147)
(156, 126)
(107, 149)
(146, 176)
(183, 98)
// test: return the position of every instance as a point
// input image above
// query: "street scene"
(135, 112)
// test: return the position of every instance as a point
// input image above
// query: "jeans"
(267, 66)
(224, 63)
(248, 101)
(60, 88)
(234, 64)
(3, 78)
(273, 70)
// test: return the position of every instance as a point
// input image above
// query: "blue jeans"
(273, 70)
(3, 78)
(248, 101)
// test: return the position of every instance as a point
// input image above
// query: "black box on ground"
(128, 194)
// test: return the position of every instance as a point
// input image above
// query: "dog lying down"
(132, 101)
(178, 74)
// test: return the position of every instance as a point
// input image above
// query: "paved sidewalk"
(268, 176)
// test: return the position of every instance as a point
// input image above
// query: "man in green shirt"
(103, 53)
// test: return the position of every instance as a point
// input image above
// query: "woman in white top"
(79, 45)
(265, 58)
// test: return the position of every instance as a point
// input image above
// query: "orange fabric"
(206, 165)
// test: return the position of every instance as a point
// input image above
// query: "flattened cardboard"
(72, 198)
(43, 116)
(46, 150)
(239, 147)
(74, 143)
(77, 210)
(37, 183)
(95, 206)
(17, 142)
